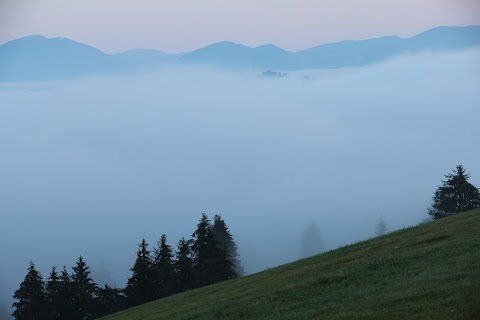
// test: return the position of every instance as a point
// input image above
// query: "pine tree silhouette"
(183, 267)
(225, 238)
(455, 195)
(210, 260)
(31, 301)
(164, 268)
(141, 286)
(83, 290)
(53, 286)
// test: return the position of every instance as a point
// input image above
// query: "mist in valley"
(91, 166)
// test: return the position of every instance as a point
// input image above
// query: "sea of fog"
(91, 166)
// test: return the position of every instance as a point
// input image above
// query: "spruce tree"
(53, 287)
(455, 195)
(210, 260)
(225, 238)
(64, 301)
(31, 301)
(381, 227)
(141, 286)
(183, 267)
(312, 242)
(83, 289)
(164, 268)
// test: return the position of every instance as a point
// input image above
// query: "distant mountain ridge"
(36, 58)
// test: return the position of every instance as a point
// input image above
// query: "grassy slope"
(431, 271)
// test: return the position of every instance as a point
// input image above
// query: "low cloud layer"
(91, 166)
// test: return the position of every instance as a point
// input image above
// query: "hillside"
(36, 58)
(344, 54)
(431, 271)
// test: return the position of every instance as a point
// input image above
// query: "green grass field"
(431, 271)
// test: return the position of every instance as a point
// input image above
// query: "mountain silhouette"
(36, 58)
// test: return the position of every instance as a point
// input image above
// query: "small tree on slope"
(311, 243)
(455, 195)
(381, 227)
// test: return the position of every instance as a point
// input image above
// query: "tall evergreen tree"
(455, 195)
(183, 267)
(141, 286)
(225, 238)
(53, 287)
(164, 269)
(64, 301)
(31, 301)
(83, 289)
(210, 259)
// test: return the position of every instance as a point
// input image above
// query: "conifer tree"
(183, 267)
(164, 268)
(381, 227)
(312, 242)
(83, 289)
(141, 286)
(64, 302)
(53, 294)
(210, 259)
(225, 238)
(31, 301)
(455, 195)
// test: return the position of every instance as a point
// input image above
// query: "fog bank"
(89, 167)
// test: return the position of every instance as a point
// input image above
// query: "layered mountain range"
(36, 58)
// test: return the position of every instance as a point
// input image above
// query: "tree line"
(208, 257)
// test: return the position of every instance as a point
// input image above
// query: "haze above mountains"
(36, 58)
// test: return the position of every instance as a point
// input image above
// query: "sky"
(185, 25)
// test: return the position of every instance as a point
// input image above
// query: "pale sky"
(185, 25)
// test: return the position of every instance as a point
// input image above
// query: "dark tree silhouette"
(53, 294)
(225, 238)
(183, 267)
(210, 260)
(83, 290)
(164, 268)
(64, 301)
(31, 301)
(141, 286)
(109, 300)
(455, 195)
